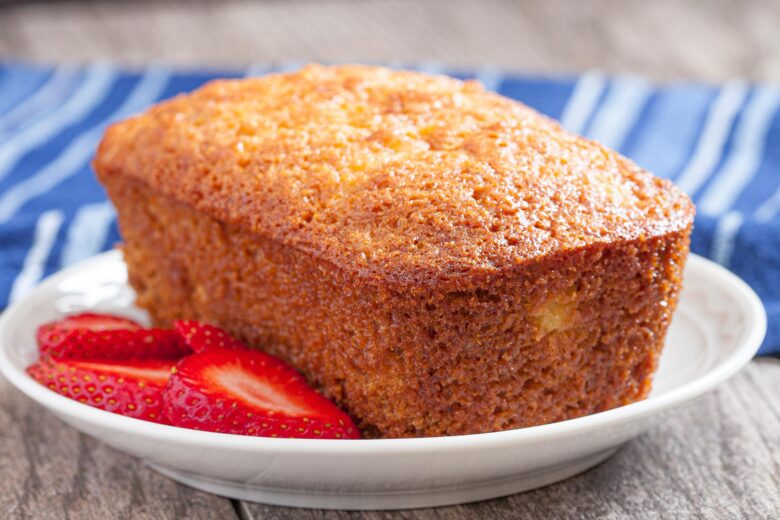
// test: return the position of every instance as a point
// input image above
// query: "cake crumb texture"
(395, 174)
(437, 259)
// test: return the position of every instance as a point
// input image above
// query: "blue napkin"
(719, 143)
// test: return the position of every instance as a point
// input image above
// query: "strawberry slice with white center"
(202, 337)
(102, 336)
(248, 392)
(84, 321)
(131, 388)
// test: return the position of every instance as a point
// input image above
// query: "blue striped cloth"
(719, 143)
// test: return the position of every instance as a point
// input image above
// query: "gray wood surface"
(49, 471)
(717, 458)
(700, 39)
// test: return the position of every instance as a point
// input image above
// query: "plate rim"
(59, 404)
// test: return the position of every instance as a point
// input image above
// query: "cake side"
(394, 175)
(437, 259)
(566, 335)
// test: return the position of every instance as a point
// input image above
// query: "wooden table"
(717, 458)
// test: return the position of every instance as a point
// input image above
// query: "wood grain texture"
(50, 471)
(718, 458)
(664, 39)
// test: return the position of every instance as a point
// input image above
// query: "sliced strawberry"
(85, 321)
(248, 392)
(131, 388)
(100, 336)
(202, 337)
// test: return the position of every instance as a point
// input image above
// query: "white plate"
(717, 329)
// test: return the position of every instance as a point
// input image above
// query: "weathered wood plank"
(700, 39)
(716, 458)
(50, 471)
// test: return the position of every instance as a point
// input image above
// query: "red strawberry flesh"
(202, 337)
(151, 372)
(248, 392)
(131, 388)
(97, 336)
(111, 363)
(85, 321)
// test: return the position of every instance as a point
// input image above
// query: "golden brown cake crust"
(569, 335)
(437, 259)
(393, 175)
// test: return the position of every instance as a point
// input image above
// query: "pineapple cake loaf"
(435, 258)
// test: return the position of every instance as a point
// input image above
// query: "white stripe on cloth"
(490, 77)
(87, 233)
(93, 90)
(709, 148)
(583, 101)
(46, 229)
(292, 66)
(149, 88)
(430, 67)
(769, 209)
(257, 69)
(745, 158)
(625, 100)
(45, 96)
(725, 236)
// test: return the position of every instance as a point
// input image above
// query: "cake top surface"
(390, 173)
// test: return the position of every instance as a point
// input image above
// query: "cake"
(435, 258)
